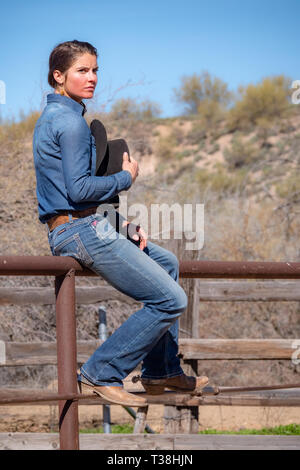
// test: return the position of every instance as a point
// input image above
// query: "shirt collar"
(56, 98)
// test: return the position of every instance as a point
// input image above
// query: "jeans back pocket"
(73, 246)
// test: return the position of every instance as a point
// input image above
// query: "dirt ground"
(44, 418)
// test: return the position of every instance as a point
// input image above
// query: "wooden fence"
(191, 349)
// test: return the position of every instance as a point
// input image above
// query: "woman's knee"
(182, 301)
(179, 301)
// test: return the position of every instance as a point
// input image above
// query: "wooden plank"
(249, 290)
(29, 441)
(47, 441)
(236, 442)
(126, 442)
(46, 296)
(208, 290)
(50, 441)
(244, 348)
(42, 353)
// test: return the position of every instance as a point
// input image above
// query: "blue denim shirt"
(64, 153)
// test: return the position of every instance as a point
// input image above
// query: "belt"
(63, 217)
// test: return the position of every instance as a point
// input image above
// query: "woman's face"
(80, 80)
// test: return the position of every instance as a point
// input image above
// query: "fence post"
(189, 327)
(103, 336)
(67, 359)
(183, 419)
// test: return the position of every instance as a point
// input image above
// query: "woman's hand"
(139, 234)
(142, 236)
(130, 165)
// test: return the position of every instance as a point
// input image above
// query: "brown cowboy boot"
(181, 383)
(110, 393)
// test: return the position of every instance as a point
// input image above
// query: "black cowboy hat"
(109, 160)
(109, 154)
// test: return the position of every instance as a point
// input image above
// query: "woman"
(70, 201)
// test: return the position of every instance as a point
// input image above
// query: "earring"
(62, 92)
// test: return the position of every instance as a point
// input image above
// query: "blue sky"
(145, 47)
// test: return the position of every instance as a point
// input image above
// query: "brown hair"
(64, 55)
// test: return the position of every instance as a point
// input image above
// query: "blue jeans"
(150, 276)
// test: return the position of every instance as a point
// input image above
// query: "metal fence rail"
(64, 269)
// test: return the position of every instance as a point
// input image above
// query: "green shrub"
(17, 131)
(129, 108)
(214, 148)
(197, 134)
(240, 153)
(289, 186)
(211, 114)
(165, 147)
(184, 154)
(115, 429)
(198, 157)
(280, 146)
(266, 101)
(220, 180)
(287, 430)
(202, 93)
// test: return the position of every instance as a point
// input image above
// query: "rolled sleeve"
(74, 138)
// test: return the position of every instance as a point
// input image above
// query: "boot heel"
(85, 389)
(154, 389)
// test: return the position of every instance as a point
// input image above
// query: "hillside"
(179, 162)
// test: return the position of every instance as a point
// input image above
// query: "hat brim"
(109, 154)
(113, 159)
(99, 132)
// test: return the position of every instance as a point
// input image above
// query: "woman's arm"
(74, 138)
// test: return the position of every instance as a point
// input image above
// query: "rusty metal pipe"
(256, 389)
(67, 359)
(41, 266)
(59, 265)
(239, 269)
